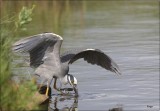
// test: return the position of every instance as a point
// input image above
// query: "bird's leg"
(47, 88)
(55, 87)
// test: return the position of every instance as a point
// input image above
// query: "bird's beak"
(75, 88)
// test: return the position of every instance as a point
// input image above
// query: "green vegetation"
(13, 95)
(25, 17)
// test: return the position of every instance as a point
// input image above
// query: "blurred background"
(127, 31)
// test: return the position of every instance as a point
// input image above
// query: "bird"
(49, 63)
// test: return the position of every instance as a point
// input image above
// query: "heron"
(49, 64)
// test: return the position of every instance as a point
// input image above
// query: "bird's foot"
(65, 91)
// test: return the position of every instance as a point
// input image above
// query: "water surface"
(126, 31)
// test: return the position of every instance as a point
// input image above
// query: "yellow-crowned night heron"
(44, 50)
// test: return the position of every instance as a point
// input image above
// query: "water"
(126, 31)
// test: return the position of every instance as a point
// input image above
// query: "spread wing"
(36, 46)
(92, 56)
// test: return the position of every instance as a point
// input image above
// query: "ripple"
(92, 96)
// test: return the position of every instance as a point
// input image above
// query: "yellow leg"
(47, 91)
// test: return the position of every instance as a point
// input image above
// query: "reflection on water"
(67, 103)
(57, 103)
(126, 31)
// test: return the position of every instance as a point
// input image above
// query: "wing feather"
(92, 56)
(37, 46)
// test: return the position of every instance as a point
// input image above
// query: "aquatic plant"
(15, 96)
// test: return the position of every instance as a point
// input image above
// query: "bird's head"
(72, 81)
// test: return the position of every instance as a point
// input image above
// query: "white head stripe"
(75, 80)
(69, 80)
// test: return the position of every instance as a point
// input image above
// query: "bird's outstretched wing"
(36, 46)
(93, 56)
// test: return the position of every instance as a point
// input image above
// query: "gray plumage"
(92, 56)
(44, 50)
